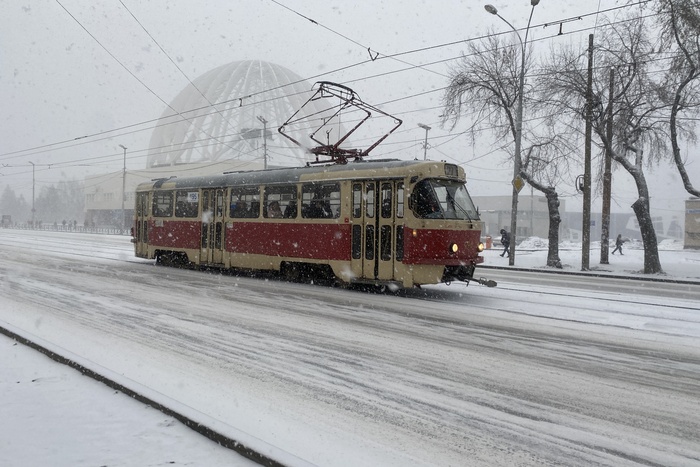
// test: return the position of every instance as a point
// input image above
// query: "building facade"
(692, 224)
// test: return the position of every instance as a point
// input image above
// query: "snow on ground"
(52, 415)
(676, 262)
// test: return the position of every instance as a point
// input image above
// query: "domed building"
(224, 112)
(225, 120)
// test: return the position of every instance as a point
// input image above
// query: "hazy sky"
(63, 74)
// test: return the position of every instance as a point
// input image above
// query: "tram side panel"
(253, 244)
(174, 234)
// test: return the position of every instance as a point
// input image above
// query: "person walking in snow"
(505, 241)
(618, 244)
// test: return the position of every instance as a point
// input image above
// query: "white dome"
(242, 93)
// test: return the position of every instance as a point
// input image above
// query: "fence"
(70, 228)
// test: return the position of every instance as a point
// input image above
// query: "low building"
(692, 224)
(533, 215)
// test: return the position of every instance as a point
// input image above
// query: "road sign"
(518, 183)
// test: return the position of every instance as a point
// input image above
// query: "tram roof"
(361, 169)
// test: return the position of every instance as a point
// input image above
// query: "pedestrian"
(505, 241)
(618, 244)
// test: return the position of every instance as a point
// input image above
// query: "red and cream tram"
(383, 222)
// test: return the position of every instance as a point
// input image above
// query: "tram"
(382, 222)
(388, 222)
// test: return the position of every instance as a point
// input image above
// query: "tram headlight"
(480, 247)
(454, 248)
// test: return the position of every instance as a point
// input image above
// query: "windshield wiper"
(455, 204)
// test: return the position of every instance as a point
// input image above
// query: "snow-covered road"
(521, 374)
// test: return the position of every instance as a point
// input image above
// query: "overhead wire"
(412, 67)
(233, 100)
(79, 141)
(122, 64)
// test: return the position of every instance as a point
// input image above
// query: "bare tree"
(484, 89)
(639, 137)
(679, 21)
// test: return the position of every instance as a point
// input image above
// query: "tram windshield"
(443, 199)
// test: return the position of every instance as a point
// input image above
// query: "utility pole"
(123, 222)
(532, 212)
(425, 145)
(33, 185)
(264, 122)
(607, 178)
(586, 241)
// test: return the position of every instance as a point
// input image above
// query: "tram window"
(280, 201)
(219, 204)
(424, 202)
(218, 236)
(356, 241)
(357, 200)
(369, 242)
(442, 199)
(399, 243)
(399, 200)
(385, 240)
(369, 201)
(454, 200)
(163, 204)
(386, 200)
(142, 204)
(320, 200)
(245, 202)
(186, 203)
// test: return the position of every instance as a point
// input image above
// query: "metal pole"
(586, 240)
(425, 145)
(518, 128)
(33, 185)
(532, 212)
(123, 222)
(264, 122)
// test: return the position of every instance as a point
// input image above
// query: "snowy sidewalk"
(53, 415)
(676, 262)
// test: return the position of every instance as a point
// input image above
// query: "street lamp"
(425, 146)
(123, 187)
(517, 181)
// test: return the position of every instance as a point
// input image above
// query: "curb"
(589, 274)
(215, 436)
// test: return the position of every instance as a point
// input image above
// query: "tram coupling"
(465, 274)
(486, 282)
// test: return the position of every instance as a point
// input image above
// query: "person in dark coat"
(618, 244)
(505, 241)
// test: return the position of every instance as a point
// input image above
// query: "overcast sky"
(70, 68)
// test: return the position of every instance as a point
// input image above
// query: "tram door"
(377, 222)
(213, 226)
(141, 224)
